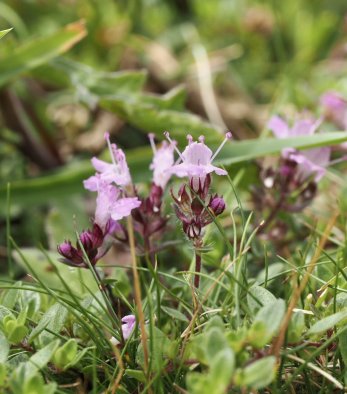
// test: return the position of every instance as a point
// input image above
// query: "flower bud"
(65, 249)
(217, 205)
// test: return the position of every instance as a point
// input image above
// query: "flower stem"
(137, 294)
(197, 245)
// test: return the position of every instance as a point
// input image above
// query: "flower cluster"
(112, 204)
(194, 206)
(292, 185)
(149, 220)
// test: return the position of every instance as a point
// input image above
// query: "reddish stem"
(197, 269)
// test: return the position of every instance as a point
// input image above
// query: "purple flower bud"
(86, 239)
(217, 205)
(91, 241)
(98, 235)
(65, 249)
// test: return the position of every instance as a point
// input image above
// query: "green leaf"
(215, 342)
(174, 313)
(53, 320)
(257, 375)
(236, 152)
(10, 296)
(78, 278)
(147, 116)
(262, 295)
(159, 345)
(221, 371)
(296, 326)
(65, 354)
(269, 318)
(138, 375)
(40, 51)
(4, 348)
(16, 333)
(4, 32)
(343, 347)
(3, 373)
(40, 359)
(328, 322)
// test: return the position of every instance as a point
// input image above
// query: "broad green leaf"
(159, 345)
(214, 343)
(343, 346)
(40, 359)
(40, 51)
(147, 116)
(174, 313)
(296, 326)
(76, 278)
(4, 32)
(10, 296)
(53, 320)
(257, 375)
(221, 370)
(60, 220)
(327, 322)
(4, 348)
(236, 152)
(262, 295)
(138, 375)
(266, 323)
(69, 180)
(65, 354)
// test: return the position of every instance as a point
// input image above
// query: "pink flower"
(335, 108)
(163, 160)
(117, 171)
(301, 127)
(111, 205)
(196, 159)
(128, 325)
(309, 162)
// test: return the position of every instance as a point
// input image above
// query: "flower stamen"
(228, 136)
(151, 140)
(167, 136)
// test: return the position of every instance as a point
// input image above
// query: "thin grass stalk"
(8, 232)
(103, 291)
(137, 294)
(276, 347)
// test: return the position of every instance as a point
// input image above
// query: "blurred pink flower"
(196, 159)
(309, 162)
(163, 160)
(128, 325)
(335, 108)
(301, 127)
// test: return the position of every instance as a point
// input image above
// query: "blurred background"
(73, 69)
